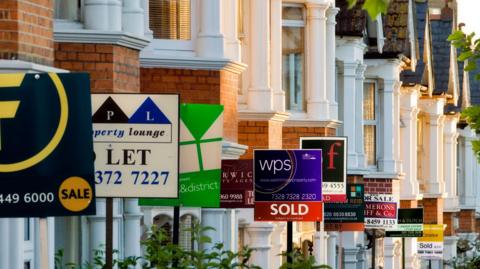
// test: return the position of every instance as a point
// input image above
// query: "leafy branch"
(373, 7)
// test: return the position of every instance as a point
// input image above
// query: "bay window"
(293, 56)
(370, 122)
(170, 19)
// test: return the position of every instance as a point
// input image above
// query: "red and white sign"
(380, 211)
(288, 211)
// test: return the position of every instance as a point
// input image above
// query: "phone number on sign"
(135, 177)
(27, 198)
(294, 196)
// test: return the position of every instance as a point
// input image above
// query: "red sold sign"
(288, 211)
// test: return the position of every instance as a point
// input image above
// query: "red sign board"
(236, 190)
(344, 227)
(288, 211)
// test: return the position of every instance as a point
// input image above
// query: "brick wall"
(291, 135)
(354, 179)
(378, 185)
(467, 222)
(111, 67)
(197, 86)
(448, 220)
(265, 134)
(408, 203)
(26, 30)
(432, 210)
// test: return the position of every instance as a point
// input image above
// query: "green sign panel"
(201, 131)
(46, 150)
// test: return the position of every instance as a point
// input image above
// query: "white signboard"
(136, 145)
(430, 250)
(381, 211)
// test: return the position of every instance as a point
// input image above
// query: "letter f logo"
(8, 109)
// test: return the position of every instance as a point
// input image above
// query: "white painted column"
(450, 248)
(96, 15)
(359, 144)
(231, 230)
(316, 64)
(392, 248)
(16, 243)
(5, 243)
(115, 15)
(277, 239)
(259, 235)
(450, 136)
(435, 182)
(396, 128)
(411, 259)
(350, 248)
(132, 232)
(469, 166)
(317, 247)
(210, 39)
(330, 62)
(409, 189)
(276, 54)
(148, 33)
(349, 111)
(105, 15)
(133, 20)
(51, 242)
(260, 97)
(332, 249)
(213, 217)
(97, 227)
(387, 158)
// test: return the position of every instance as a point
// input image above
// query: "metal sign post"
(109, 233)
(289, 242)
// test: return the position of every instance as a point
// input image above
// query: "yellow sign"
(8, 109)
(432, 233)
(75, 194)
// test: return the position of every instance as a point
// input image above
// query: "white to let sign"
(136, 145)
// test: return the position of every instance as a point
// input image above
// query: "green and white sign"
(201, 135)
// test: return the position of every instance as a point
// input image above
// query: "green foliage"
(373, 7)
(472, 117)
(469, 48)
(299, 261)
(467, 255)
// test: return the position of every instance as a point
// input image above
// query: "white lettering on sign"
(289, 209)
(275, 165)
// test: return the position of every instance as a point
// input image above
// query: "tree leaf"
(465, 55)
(457, 35)
(472, 65)
(375, 7)
(351, 3)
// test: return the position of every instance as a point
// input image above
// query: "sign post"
(136, 149)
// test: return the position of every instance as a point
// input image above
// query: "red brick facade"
(448, 220)
(432, 210)
(379, 185)
(26, 30)
(265, 134)
(408, 203)
(112, 68)
(467, 221)
(291, 135)
(198, 86)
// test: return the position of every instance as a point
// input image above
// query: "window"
(370, 122)
(68, 10)
(170, 19)
(293, 56)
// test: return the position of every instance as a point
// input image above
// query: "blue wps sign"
(46, 150)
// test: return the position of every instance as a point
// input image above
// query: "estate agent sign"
(46, 162)
(136, 145)
(410, 223)
(346, 216)
(288, 185)
(380, 211)
(430, 246)
(237, 184)
(201, 135)
(334, 152)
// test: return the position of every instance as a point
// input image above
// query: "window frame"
(375, 122)
(177, 44)
(297, 24)
(28, 245)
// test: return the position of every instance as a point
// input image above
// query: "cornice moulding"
(100, 37)
(194, 63)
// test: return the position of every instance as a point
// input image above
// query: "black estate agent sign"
(46, 151)
(334, 167)
(346, 216)
(410, 223)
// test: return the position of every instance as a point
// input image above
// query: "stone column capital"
(331, 14)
